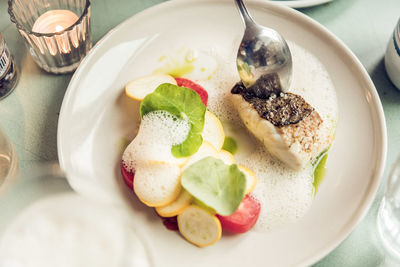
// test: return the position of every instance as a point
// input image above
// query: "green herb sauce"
(177, 66)
(319, 169)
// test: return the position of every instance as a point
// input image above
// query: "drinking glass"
(56, 50)
(8, 161)
(8, 70)
(388, 221)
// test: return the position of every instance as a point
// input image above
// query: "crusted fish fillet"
(286, 124)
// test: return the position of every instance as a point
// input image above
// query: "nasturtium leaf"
(217, 185)
(184, 103)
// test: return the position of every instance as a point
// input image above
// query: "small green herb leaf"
(230, 145)
(217, 185)
(183, 103)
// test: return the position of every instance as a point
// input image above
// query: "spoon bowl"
(263, 51)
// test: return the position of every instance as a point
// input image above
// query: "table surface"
(30, 114)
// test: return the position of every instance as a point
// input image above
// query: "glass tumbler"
(388, 221)
(8, 161)
(57, 47)
(8, 70)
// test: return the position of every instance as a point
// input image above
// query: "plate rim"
(302, 3)
(371, 95)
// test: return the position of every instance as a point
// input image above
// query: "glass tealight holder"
(57, 33)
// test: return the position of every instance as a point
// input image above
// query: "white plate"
(95, 115)
(302, 3)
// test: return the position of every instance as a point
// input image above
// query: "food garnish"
(213, 131)
(157, 184)
(199, 226)
(230, 145)
(138, 88)
(219, 186)
(177, 206)
(194, 86)
(226, 157)
(184, 104)
(184, 175)
(128, 176)
(251, 179)
(244, 218)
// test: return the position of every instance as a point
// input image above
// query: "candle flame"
(59, 28)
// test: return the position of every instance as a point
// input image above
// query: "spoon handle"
(247, 19)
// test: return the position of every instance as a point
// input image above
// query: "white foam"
(157, 182)
(162, 127)
(312, 82)
(285, 195)
(158, 132)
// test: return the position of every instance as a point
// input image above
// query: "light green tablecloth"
(29, 115)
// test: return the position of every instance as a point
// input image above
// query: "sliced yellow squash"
(177, 206)
(226, 157)
(205, 150)
(213, 132)
(251, 178)
(157, 183)
(199, 227)
(140, 87)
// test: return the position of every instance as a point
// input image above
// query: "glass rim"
(38, 34)
(395, 168)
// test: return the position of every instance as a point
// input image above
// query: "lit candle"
(54, 21)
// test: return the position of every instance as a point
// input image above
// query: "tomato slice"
(183, 82)
(244, 218)
(171, 223)
(128, 175)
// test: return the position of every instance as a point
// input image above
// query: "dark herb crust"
(277, 107)
(264, 87)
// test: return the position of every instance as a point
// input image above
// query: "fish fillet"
(286, 124)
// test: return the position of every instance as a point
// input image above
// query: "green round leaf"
(182, 103)
(217, 185)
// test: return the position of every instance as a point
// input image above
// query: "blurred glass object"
(57, 33)
(8, 161)
(392, 57)
(388, 220)
(8, 70)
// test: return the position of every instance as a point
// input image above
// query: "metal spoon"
(262, 51)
